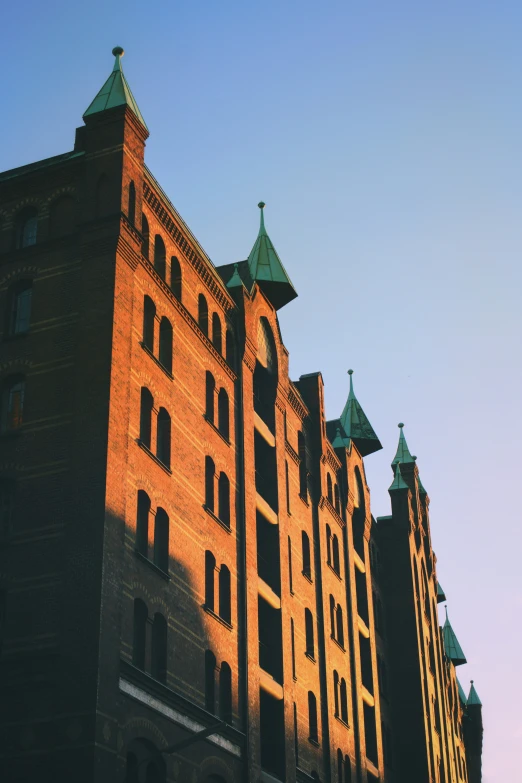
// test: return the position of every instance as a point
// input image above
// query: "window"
(131, 204)
(210, 681)
(149, 314)
(26, 227)
(210, 390)
(292, 639)
(62, 216)
(347, 770)
(210, 472)
(303, 486)
(287, 485)
(19, 307)
(329, 489)
(161, 540)
(144, 236)
(159, 648)
(309, 634)
(335, 555)
(305, 541)
(216, 333)
(163, 441)
(146, 405)
(203, 314)
(332, 616)
(223, 413)
(142, 523)
(225, 693)
(165, 344)
(337, 502)
(313, 735)
(290, 574)
(343, 697)
(12, 403)
(230, 348)
(224, 499)
(339, 765)
(336, 693)
(340, 626)
(224, 594)
(7, 498)
(210, 570)
(175, 277)
(140, 634)
(328, 545)
(160, 255)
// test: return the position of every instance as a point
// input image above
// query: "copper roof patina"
(115, 92)
(451, 644)
(354, 426)
(267, 270)
(398, 481)
(403, 453)
(473, 698)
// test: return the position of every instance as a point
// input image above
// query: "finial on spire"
(403, 453)
(115, 92)
(350, 372)
(118, 51)
(261, 206)
(471, 681)
(400, 425)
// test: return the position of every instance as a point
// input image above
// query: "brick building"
(192, 585)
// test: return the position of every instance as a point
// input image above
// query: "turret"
(353, 426)
(452, 647)
(473, 734)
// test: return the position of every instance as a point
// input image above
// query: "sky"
(384, 137)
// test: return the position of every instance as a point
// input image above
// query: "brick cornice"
(293, 454)
(296, 402)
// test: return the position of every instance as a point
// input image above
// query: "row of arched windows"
(149, 649)
(223, 413)
(344, 768)
(165, 334)
(223, 492)
(224, 695)
(332, 550)
(152, 532)
(340, 697)
(336, 621)
(12, 403)
(163, 427)
(18, 310)
(171, 274)
(61, 221)
(217, 588)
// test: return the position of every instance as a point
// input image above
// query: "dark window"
(335, 555)
(161, 540)
(328, 545)
(224, 594)
(329, 489)
(131, 209)
(307, 570)
(332, 616)
(159, 648)
(290, 573)
(336, 693)
(309, 633)
(163, 441)
(203, 314)
(230, 348)
(292, 638)
(62, 216)
(140, 634)
(343, 697)
(303, 487)
(142, 523)
(210, 681)
(26, 227)
(312, 718)
(144, 236)
(296, 736)
(339, 624)
(210, 571)
(210, 472)
(19, 307)
(216, 333)
(147, 403)
(347, 770)
(210, 390)
(224, 499)
(149, 315)
(339, 765)
(225, 693)
(337, 501)
(287, 480)
(7, 499)
(175, 277)
(165, 344)
(160, 256)
(12, 403)
(223, 413)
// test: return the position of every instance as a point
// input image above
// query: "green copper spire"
(115, 92)
(266, 269)
(451, 644)
(473, 699)
(461, 693)
(403, 453)
(338, 442)
(398, 481)
(235, 281)
(356, 426)
(440, 593)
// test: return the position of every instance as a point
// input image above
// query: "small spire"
(398, 481)
(440, 593)
(261, 206)
(356, 426)
(266, 269)
(115, 92)
(403, 453)
(235, 281)
(338, 442)
(351, 393)
(473, 698)
(451, 644)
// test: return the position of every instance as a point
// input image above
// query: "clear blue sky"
(385, 139)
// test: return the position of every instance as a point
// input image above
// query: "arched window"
(26, 227)
(163, 437)
(131, 206)
(328, 545)
(225, 693)
(287, 487)
(332, 616)
(337, 502)
(344, 700)
(336, 693)
(225, 609)
(175, 277)
(223, 413)
(19, 307)
(224, 499)
(309, 633)
(340, 625)
(210, 390)
(303, 486)
(147, 403)
(144, 763)
(335, 555)
(313, 735)
(329, 489)
(216, 333)
(139, 634)
(62, 217)
(210, 472)
(230, 348)
(159, 648)
(210, 681)
(347, 770)
(13, 391)
(210, 570)
(339, 765)
(149, 315)
(161, 540)
(165, 344)
(144, 236)
(142, 523)
(160, 256)
(305, 541)
(203, 314)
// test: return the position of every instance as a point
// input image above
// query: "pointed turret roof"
(440, 593)
(451, 644)
(461, 693)
(266, 269)
(338, 442)
(473, 699)
(115, 92)
(355, 425)
(398, 481)
(235, 281)
(403, 453)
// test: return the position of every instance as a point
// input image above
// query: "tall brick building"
(192, 585)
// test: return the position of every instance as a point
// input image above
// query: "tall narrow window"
(225, 609)
(313, 735)
(223, 413)
(292, 639)
(19, 307)
(332, 616)
(347, 770)
(296, 736)
(163, 444)
(210, 571)
(210, 472)
(161, 540)
(165, 344)
(210, 391)
(290, 573)
(329, 489)
(26, 227)
(147, 403)
(230, 348)
(144, 236)
(307, 570)
(216, 333)
(303, 486)
(149, 315)
(287, 480)
(337, 502)
(340, 625)
(339, 765)
(7, 498)
(224, 499)
(160, 256)
(13, 392)
(175, 277)
(225, 693)
(336, 693)
(210, 681)
(309, 633)
(142, 523)
(203, 314)
(344, 700)
(328, 545)
(131, 209)
(139, 634)
(335, 555)
(159, 648)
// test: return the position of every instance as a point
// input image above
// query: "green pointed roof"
(440, 593)
(266, 269)
(451, 644)
(403, 453)
(115, 92)
(338, 442)
(356, 426)
(473, 699)
(235, 281)
(461, 693)
(398, 481)
(421, 486)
